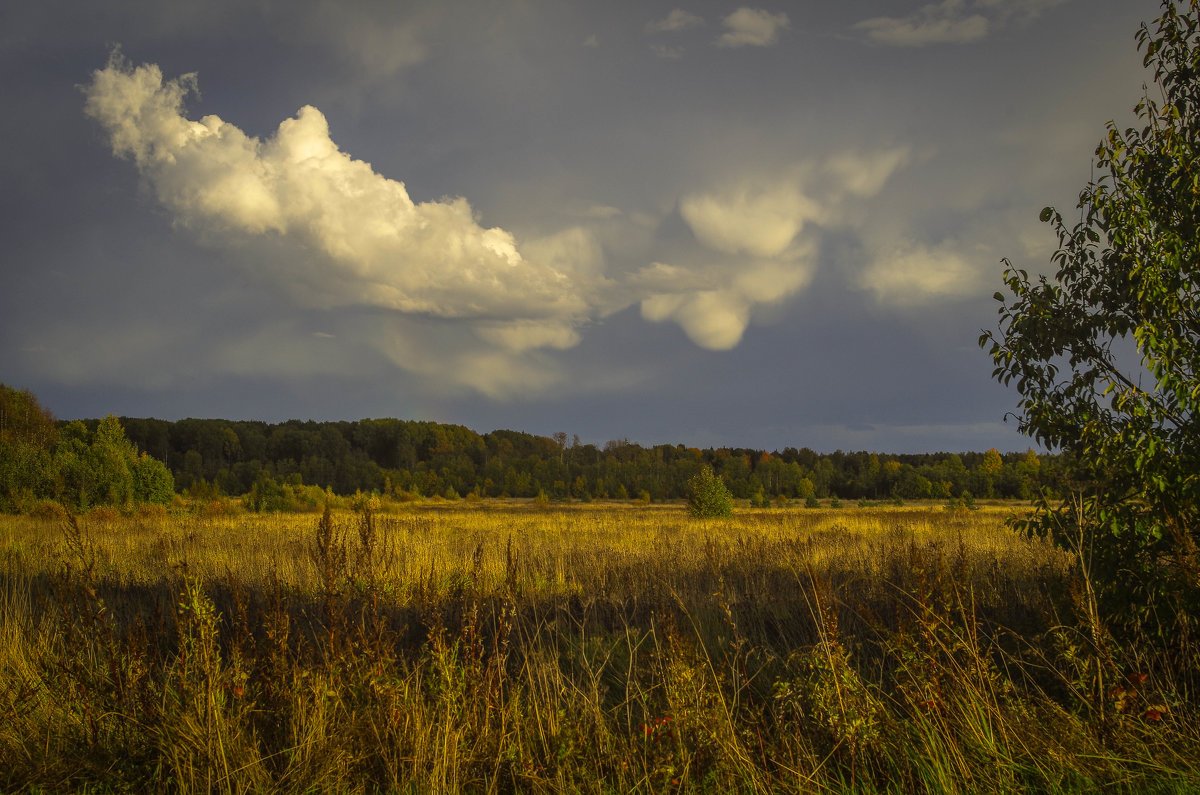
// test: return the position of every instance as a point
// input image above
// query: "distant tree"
(25, 421)
(912, 486)
(110, 459)
(27, 435)
(983, 480)
(579, 489)
(152, 481)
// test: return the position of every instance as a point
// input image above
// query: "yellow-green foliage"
(485, 645)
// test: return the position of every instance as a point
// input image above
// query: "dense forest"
(425, 458)
(117, 460)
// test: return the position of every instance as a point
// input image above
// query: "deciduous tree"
(1105, 354)
(708, 496)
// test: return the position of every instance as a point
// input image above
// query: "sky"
(685, 222)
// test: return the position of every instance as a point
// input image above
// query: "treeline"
(408, 458)
(126, 461)
(79, 465)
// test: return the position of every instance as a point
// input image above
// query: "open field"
(496, 646)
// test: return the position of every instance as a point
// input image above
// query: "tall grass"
(591, 648)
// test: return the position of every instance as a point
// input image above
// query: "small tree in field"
(708, 496)
(1106, 354)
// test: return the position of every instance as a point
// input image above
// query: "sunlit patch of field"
(563, 546)
(501, 645)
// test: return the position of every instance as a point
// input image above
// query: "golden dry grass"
(554, 544)
(504, 646)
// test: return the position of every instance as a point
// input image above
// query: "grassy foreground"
(503, 647)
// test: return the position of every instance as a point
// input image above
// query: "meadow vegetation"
(495, 645)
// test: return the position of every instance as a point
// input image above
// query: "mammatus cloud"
(717, 318)
(951, 21)
(678, 19)
(771, 228)
(758, 226)
(752, 27)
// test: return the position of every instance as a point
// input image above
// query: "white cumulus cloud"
(951, 21)
(1022, 11)
(678, 19)
(752, 27)
(667, 53)
(380, 247)
(910, 273)
(937, 23)
(465, 305)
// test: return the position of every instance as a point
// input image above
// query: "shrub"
(104, 514)
(265, 495)
(708, 496)
(47, 509)
(150, 512)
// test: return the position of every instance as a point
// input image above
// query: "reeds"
(491, 647)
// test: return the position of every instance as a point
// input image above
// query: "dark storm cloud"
(720, 247)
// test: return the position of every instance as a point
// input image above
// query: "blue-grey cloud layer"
(769, 225)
